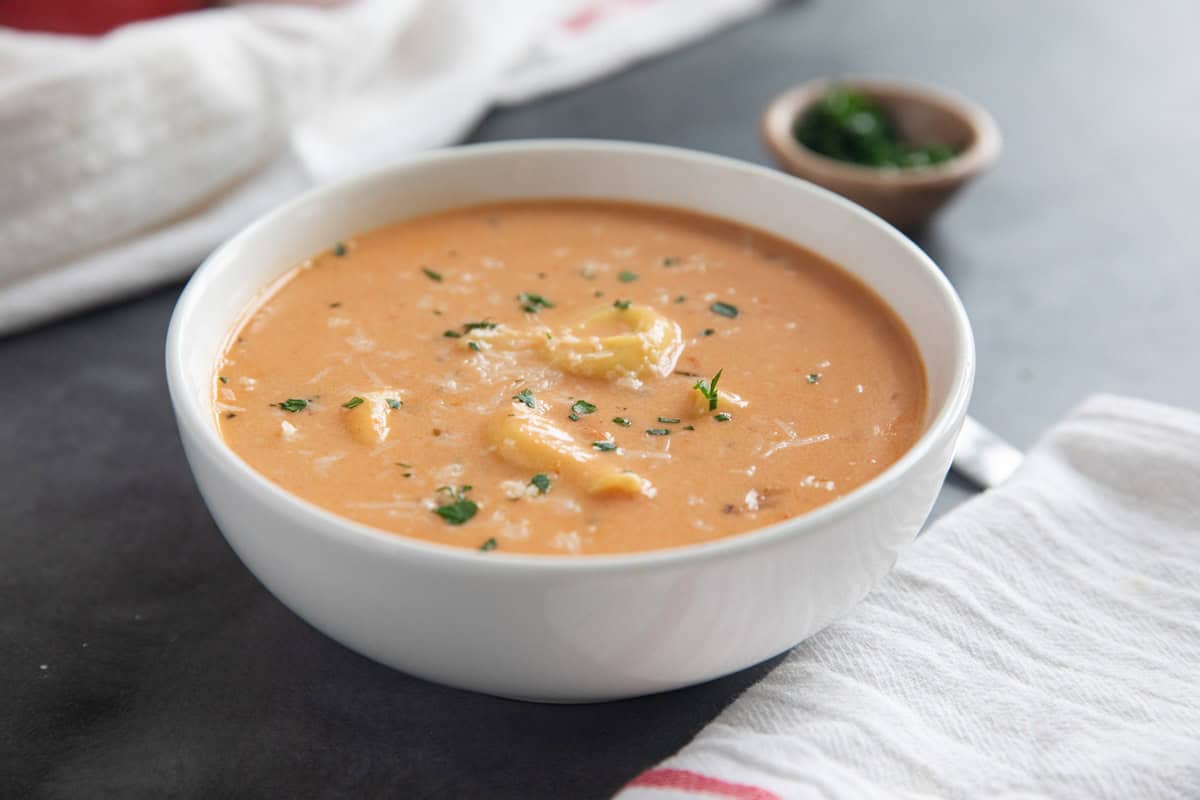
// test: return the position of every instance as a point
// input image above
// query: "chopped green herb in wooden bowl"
(899, 149)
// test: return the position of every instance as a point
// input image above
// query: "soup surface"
(542, 377)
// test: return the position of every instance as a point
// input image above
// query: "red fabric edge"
(687, 781)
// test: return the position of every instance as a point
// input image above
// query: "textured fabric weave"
(1043, 640)
(126, 159)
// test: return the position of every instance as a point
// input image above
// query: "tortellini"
(609, 342)
(526, 438)
(370, 421)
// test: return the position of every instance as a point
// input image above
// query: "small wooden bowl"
(907, 198)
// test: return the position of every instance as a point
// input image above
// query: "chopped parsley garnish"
(433, 276)
(689, 427)
(541, 481)
(709, 331)
(403, 464)
(525, 396)
(474, 346)
(532, 303)
(658, 431)
(681, 299)
(451, 334)
(670, 261)
(293, 404)
(393, 403)
(583, 407)
(668, 420)
(625, 276)
(709, 389)
(813, 377)
(223, 379)
(622, 304)
(573, 417)
(353, 402)
(490, 544)
(722, 417)
(458, 509)
(339, 249)
(479, 326)
(724, 309)
(605, 447)
(622, 421)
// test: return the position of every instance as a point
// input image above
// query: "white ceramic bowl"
(562, 628)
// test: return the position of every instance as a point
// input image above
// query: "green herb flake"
(223, 379)
(433, 276)
(479, 326)
(724, 309)
(525, 396)
(709, 389)
(490, 544)
(625, 276)
(681, 299)
(658, 432)
(622, 421)
(813, 377)
(689, 427)
(474, 346)
(532, 303)
(403, 464)
(583, 407)
(670, 261)
(541, 481)
(722, 417)
(622, 304)
(452, 334)
(849, 125)
(709, 331)
(293, 404)
(353, 402)
(573, 417)
(458, 509)
(393, 403)
(340, 249)
(605, 447)
(668, 420)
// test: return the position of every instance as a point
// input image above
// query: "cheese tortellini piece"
(698, 404)
(370, 420)
(609, 342)
(525, 438)
(612, 341)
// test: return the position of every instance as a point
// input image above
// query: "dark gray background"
(169, 671)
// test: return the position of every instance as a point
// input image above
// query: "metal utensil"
(984, 458)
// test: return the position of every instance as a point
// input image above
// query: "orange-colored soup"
(537, 377)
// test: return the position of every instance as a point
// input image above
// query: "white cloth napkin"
(1043, 640)
(125, 159)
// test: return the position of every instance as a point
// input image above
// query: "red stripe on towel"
(688, 781)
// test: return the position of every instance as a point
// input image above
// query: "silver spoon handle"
(984, 458)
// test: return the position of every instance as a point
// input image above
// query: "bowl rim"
(779, 118)
(197, 427)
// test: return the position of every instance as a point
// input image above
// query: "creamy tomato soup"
(569, 377)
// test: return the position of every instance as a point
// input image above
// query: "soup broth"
(569, 377)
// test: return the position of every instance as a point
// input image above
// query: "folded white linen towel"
(1043, 640)
(125, 159)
